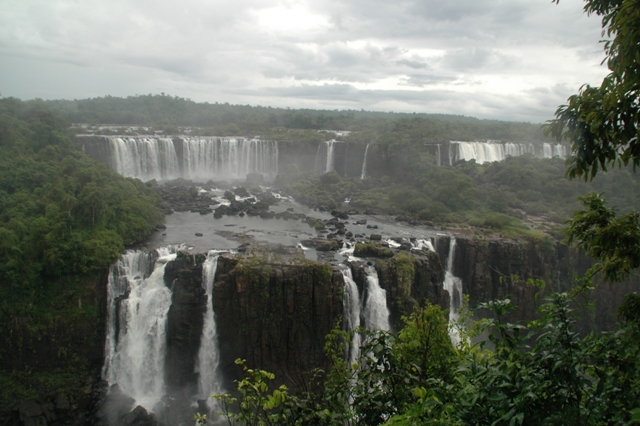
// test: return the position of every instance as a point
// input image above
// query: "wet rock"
(241, 192)
(375, 237)
(339, 214)
(138, 417)
(198, 234)
(361, 222)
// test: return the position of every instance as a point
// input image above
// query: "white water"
(485, 152)
(351, 313)
(421, 244)
(209, 353)
(144, 157)
(204, 158)
(453, 285)
(329, 164)
(135, 353)
(375, 312)
(199, 158)
(438, 158)
(363, 174)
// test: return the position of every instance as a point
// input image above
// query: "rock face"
(498, 268)
(184, 323)
(275, 316)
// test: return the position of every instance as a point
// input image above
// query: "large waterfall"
(209, 354)
(138, 304)
(199, 158)
(453, 285)
(146, 158)
(486, 152)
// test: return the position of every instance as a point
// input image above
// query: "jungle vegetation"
(64, 218)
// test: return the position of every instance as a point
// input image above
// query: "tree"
(602, 125)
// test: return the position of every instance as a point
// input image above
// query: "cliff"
(493, 268)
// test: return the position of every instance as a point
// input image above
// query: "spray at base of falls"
(209, 353)
(453, 285)
(138, 306)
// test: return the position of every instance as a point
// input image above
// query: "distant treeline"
(167, 113)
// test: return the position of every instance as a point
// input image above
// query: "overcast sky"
(502, 59)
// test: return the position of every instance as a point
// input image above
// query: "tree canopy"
(602, 125)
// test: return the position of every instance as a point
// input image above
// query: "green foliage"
(541, 373)
(602, 122)
(64, 218)
(614, 241)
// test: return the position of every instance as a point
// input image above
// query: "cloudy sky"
(503, 59)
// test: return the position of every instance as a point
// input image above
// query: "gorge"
(178, 314)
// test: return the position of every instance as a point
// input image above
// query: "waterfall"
(438, 155)
(485, 152)
(453, 285)
(207, 157)
(351, 313)
(421, 244)
(364, 163)
(144, 158)
(329, 163)
(192, 157)
(138, 305)
(482, 152)
(375, 312)
(209, 354)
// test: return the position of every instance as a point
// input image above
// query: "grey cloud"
(412, 64)
(476, 58)
(421, 80)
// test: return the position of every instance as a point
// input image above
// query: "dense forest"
(172, 114)
(64, 218)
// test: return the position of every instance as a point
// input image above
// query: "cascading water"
(351, 313)
(145, 158)
(484, 152)
(375, 312)
(209, 353)
(453, 285)
(438, 156)
(329, 163)
(138, 305)
(421, 244)
(207, 157)
(191, 157)
(364, 163)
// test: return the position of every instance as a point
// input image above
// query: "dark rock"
(138, 417)
(62, 402)
(375, 237)
(361, 222)
(29, 409)
(339, 214)
(241, 192)
(405, 246)
(198, 234)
